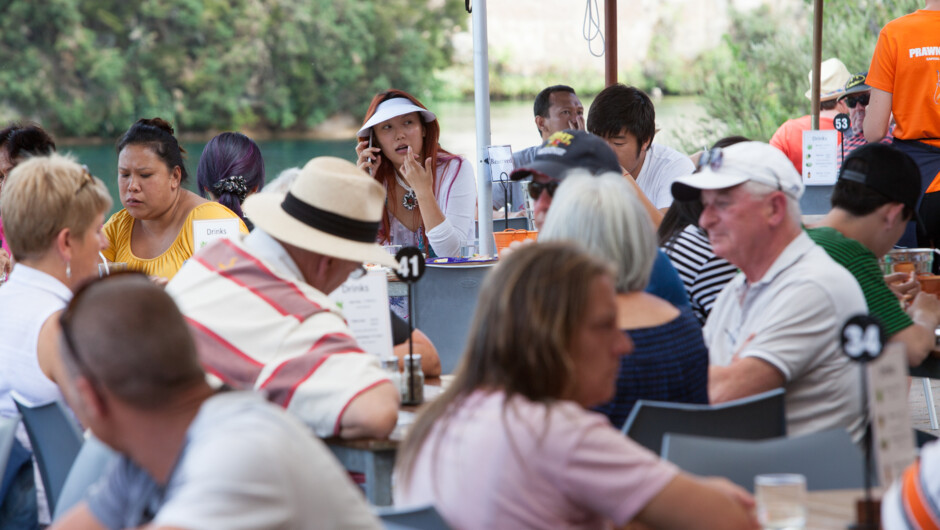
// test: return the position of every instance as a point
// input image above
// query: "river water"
(510, 122)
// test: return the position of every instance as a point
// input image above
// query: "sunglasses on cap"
(535, 188)
(852, 101)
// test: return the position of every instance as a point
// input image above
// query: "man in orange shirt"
(789, 137)
(905, 80)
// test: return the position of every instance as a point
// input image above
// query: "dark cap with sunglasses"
(567, 150)
(856, 91)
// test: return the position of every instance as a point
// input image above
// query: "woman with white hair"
(670, 361)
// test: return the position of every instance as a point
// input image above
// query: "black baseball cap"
(886, 170)
(855, 84)
(570, 149)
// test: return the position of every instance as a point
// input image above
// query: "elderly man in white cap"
(789, 137)
(778, 322)
(258, 310)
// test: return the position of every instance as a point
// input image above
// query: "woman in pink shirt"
(510, 443)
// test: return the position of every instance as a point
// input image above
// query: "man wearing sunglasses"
(576, 149)
(856, 97)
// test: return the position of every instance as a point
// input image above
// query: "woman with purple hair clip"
(230, 169)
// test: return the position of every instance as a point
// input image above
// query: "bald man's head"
(125, 334)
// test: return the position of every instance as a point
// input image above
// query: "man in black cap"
(575, 149)
(875, 197)
(561, 152)
(856, 97)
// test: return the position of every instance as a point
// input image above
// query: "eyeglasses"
(852, 101)
(535, 188)
(710, 158)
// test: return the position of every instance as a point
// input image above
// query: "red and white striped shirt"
(257, 325)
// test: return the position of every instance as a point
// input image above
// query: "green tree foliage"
(92, 67)
(756, 79)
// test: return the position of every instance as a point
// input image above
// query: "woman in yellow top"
(162, 223)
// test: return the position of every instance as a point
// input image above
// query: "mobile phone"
(370, 152)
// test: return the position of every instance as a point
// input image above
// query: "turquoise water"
(278, 155)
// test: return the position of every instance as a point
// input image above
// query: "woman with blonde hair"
(509, 444)
(670, 362)
(431, 192)
(53, 212)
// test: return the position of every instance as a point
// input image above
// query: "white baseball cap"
(723, 168)
(391, 108)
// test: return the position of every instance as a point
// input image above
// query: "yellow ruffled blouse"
(118, 231)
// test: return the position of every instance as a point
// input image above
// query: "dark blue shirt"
(669, 363)
(666, 283)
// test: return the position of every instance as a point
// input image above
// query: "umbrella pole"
(610, 43)
(817, 58)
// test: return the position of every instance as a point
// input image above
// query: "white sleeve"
(680, 166)
(457, 197)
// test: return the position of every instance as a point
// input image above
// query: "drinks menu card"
(364, 302)
(892, 434)
(820, 157)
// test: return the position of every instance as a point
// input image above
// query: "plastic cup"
(781, 500)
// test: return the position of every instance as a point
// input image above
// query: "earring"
(68, 270)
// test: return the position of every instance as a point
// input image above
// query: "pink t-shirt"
(528, 465)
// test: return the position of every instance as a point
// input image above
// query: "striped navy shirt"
(703, 273)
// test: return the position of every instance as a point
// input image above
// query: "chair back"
(56, 439)
(755, 417)
(422, 518)
(828, 459)
(445, 300)
(7, 435)
(92, 460)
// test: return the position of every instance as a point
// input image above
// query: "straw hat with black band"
(333, 209)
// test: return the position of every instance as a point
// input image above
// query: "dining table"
(374, 458)
(834, 509)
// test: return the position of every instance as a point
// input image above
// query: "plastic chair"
(92, 460)
(445, 300)
(828, 459)
(7, 435)
(56, 440)
(755, 417)
(423, 518)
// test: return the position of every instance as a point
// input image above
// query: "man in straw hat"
(258, 308)
(189, 456)
(789, 137)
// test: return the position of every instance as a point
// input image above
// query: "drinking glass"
(470, 249)
(781, 501)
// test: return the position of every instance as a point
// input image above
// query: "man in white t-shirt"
(625, 117)
(190, 456)
(778, 322)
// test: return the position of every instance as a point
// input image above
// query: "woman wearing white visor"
(431, 193)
